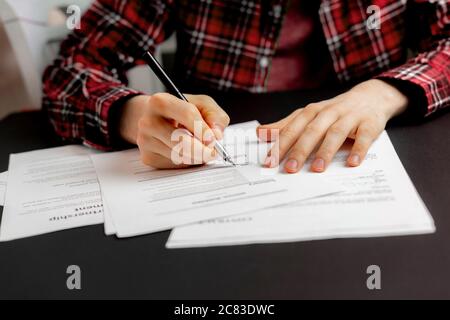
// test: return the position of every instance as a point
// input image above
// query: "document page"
(50, 190)
(3, 183)
(379, 200)
(142, 200)
(110, 228)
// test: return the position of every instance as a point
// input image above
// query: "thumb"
(216, 118)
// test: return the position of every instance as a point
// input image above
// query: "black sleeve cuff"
(417, 107)
(115, 114)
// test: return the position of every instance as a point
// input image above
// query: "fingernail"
(355, 160)
(208, 137)
(218, 127)
(218, 131)
(268, 162)
(292, 165)
(318, 165)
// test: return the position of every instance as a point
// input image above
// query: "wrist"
(394, 101)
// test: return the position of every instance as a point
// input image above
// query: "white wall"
(12, 91)
(14, 96)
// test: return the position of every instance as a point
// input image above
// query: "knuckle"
(289, 133)
(337, 130)
(159, 98)
(222, 118)
(298, 111)
(206, 99)
(190, 112)
(312, 128)
(368, 128)
(312, 108)
(313, 105)
(332, 112)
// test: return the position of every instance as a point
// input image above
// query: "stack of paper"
(141, 200)
(50, 190)
(218, 204)
(380, 200)
(3, 183)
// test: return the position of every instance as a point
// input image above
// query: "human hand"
(150, 122)
(360, 114)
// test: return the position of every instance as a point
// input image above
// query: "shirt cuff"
(101, 132)
(417, 99)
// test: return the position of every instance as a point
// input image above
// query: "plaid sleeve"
(430, 70)
(89, 75)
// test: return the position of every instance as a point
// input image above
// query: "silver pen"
(223, 153)
(172, 88)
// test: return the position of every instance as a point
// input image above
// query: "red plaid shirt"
(227, 44)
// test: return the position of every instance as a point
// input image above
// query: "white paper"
(3, 183)
(110, 228)
(380, 200)
(50, 190)
(141, 200)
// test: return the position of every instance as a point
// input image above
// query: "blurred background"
(13, 95)
(30, 34)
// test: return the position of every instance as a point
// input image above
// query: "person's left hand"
(360, 114)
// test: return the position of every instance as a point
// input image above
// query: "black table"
(412, 267)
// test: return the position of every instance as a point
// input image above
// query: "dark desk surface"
(412, 267)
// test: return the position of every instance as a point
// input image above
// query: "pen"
(172, 88)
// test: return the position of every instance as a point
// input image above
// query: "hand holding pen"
(156, 117)
(172, 88)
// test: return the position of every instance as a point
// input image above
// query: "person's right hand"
(150, 121)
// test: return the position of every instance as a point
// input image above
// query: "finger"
(159, 128)
(169, 135)
(216, 118)
(156, 154)
(366, 134)
(157, 161)
(290, 134)
(270, 132)
(184, 113)
(154, 145)
(189, 150)
(334, 139)
(170, 138)
(313, 133)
